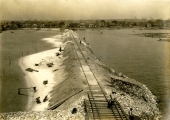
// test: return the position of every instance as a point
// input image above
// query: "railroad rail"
(97, 104)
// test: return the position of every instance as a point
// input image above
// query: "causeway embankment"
(61, 86)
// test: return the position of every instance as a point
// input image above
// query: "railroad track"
(97, 104)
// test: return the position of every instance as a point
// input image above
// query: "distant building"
(42, 26)
(91, 25)
(34, 26)
(82, 25)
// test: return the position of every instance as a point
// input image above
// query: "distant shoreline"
(97, 28)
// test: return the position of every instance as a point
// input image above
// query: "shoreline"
(44, 70)
(52, 52)
(45, 73)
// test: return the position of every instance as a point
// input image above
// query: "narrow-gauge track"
(97, 103)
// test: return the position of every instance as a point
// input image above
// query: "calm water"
(141, 58)
(13, 46)
(144, 59)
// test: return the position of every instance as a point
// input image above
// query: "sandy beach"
(43, 72)
(55, 77)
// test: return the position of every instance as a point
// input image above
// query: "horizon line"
(86, 19)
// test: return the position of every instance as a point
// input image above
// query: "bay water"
(144, 59)
(13, 46)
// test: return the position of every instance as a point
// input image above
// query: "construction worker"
(131, 117)
(109, 104)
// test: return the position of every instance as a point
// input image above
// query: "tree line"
(161, 24)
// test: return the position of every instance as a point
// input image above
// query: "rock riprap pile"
(66, 114)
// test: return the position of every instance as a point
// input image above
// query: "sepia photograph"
(84, 59)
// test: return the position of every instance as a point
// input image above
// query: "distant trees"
(121, 23)
(102, 23)
(158, 23)
(96, 23)
(114, 22)
(73, 25)
(14, 26)
(61, 24)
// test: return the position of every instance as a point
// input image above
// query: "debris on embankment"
(64, 114)
(66, 99)
(128, 92)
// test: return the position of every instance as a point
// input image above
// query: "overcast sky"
(83, 9)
